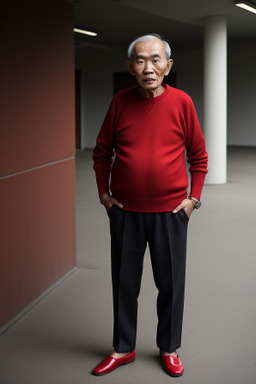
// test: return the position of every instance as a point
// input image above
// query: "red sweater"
(149, 138)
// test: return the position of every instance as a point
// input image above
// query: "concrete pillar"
(215, 97)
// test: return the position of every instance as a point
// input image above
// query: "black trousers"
(166, 235)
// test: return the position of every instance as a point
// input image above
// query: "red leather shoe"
(109, 364)
(172, 365)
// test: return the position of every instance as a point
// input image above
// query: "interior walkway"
(68, 332)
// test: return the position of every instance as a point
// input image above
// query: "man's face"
(149, 65)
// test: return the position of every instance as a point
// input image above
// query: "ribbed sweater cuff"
(197, 183)
(102, 179)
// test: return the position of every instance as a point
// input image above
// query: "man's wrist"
(104, 197)
(197, 203)
(193, 199)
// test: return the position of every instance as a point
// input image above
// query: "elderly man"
(148, 128)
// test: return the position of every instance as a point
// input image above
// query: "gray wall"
(98, 65)
(242, 93)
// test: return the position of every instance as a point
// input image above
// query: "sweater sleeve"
(104, 150)
(196, 153)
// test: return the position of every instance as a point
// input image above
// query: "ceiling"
(180, 21)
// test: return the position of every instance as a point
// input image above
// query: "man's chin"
(147, 86)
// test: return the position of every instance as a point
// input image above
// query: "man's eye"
(156, 61)
(140, 62)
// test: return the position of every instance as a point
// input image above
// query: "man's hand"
(187, 205)
(108, 201)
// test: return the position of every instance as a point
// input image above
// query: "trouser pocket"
(112, 210)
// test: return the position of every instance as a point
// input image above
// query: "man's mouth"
(149, 80)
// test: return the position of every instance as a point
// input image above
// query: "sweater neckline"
(153, 100)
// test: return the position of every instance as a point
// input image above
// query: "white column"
(215, 97)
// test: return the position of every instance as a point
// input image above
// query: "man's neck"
(150, 93)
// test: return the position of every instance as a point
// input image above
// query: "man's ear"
(129, 66)
(169, 66)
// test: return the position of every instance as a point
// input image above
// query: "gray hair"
(148, 37)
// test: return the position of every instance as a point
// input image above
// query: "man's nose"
(148, 67)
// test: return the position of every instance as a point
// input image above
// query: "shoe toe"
(173, 365)
(110, 363)
(105, 366)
